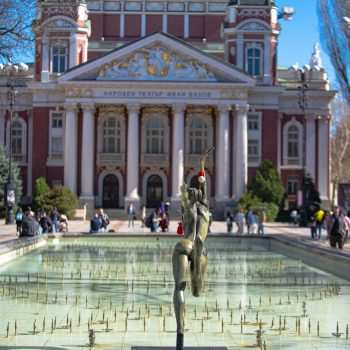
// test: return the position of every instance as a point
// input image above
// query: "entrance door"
(110, 192)
(154, 191)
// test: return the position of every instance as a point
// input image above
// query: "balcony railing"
(192, 161)
(292, 161)
(19, 158)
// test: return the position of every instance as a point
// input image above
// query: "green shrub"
(64, 200)
(42, 194)
(249, 200)
(266, 184)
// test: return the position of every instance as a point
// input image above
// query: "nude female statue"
(190, 251)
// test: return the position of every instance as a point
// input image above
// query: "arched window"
(16, 138)
(111, 135)
(198, 136)
(293, 142)
(155, 136)
(254, 61)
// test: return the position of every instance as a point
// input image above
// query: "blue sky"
(299, 35)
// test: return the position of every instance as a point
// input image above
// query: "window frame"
(21, 157)
(254, 46)
(56, 158)
(289, 161)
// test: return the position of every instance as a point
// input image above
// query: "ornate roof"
(252, 2)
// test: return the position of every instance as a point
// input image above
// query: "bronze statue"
(190, 251)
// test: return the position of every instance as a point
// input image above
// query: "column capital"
(133, 108)
(178, 107)
(222, 108)
(70, 107)
(88, 107)
(242, 109)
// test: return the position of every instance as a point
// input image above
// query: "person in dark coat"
(30, 227)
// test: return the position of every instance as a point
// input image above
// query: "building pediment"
(157, 57)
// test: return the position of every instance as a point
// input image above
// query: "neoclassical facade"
(124, 96)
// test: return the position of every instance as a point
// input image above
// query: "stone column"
(122, 25)
(267, 59)
(87, 153)
(177, 174)
(310, 160)
(240, 171)
(2, 127)
(132, 170)
(222, 154)
(323, 156)
(70, 147)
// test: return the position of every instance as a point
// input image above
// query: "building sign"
(160, 94)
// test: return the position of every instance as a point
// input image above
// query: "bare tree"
(340, 143)
(16, 35)
(335, 39)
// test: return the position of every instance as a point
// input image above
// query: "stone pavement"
(8, 232)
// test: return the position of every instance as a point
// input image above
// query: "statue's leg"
(180, 262)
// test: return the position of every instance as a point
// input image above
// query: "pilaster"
(323, 156)
(310, 145)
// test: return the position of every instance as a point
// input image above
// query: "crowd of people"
(29, 223)
(253, 220)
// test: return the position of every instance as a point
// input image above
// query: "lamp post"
(10, 187)
(303, 103)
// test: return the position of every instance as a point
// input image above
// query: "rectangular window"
(56, 183)
(292, 185)
(253, 148)
(56, 133)
(59, 59)
(253, 122)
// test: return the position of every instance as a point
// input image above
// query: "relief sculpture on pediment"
(156, 63)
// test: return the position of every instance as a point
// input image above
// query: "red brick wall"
(40, 141)
(96, 26)
(197, 29)
(176, 25)
(212, 25)
(269, 132)
(55, 173)
(132, 26)
(94, 54)
(111, 26)
(153, 23)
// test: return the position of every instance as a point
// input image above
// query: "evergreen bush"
(42, 195)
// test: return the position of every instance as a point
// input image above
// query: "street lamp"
(10, 187)
(303, 103)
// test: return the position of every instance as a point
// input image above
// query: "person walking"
(253, 220)
(319, 217)
(55, 218)
(131, 214)
(19, 219)
(229, 222)
(337, 228)
(143, 215)
(262, 220)
(156, 219)
(240, 221)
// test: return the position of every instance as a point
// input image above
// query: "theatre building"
(124, 95)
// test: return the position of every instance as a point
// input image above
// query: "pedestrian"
(95, 224)
(262, 220)
(143, 215)
(337, 228)
(156, 219)
(55, 218)
(210, 221)
(131, 214)
(319, 217)
(313, 228)
(253, 220)
(229, 222)
(63, 224)
(248, 219)
(104, 220)
(240, 221)
(19, 219)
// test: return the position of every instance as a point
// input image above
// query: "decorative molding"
(254, 26)
(253, 13)
(60, 23)
(176, 6)
(78, 92)
(111, 6)
(196, 6)
(236, 94)
(133, 6)
(50, 11)
(154, 6)
(217, 6)
(93, 5)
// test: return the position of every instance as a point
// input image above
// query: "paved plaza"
(120, 227)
